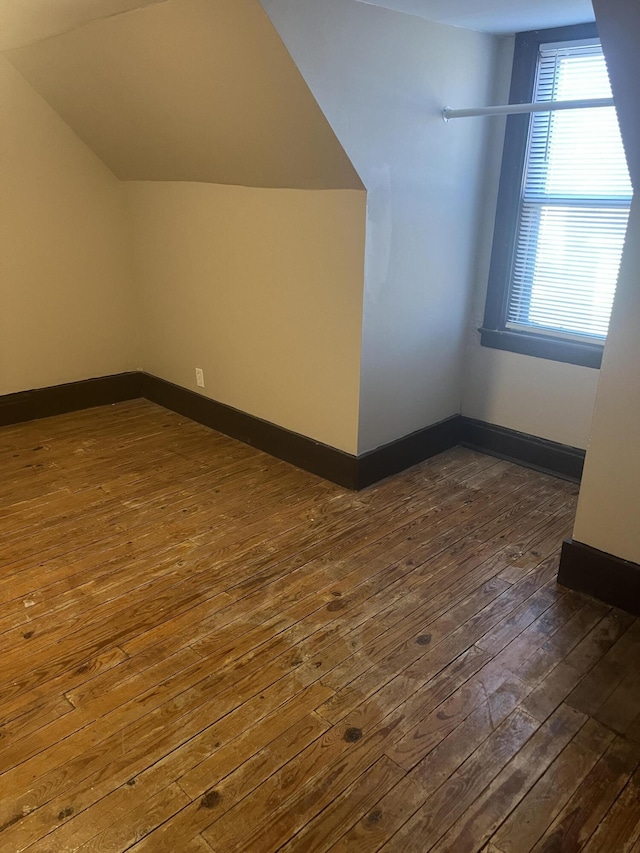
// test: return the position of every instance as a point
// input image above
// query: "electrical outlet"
(199, 377)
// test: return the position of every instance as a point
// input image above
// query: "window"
(563, 206)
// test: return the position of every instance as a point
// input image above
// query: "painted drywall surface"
(495, 16)
(382, 79)
(545, 398)
(26, 21)
(260, 288)
(619, 28)
(539, 397)
(66, 306)
(608, 515)
(189, 90)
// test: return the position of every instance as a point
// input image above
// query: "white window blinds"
(574, 205)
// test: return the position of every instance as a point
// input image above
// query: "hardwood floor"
(205, 649)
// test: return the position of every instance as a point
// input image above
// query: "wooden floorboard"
(205, 650)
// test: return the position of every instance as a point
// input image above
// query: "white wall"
(545, 398)
(608, 515)
(382, 78)
(262, 289)
(66, 300)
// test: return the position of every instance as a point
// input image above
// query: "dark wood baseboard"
(354, 472)
(609, 578)
(407, 451)
(550, 457)
(71, 397)
(313, 456)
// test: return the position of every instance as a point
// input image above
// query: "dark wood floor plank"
(586, 809)
(330, 825)
(476, 814)
(430, 774)
(620, 829)
(236, 787)
(596, 688)
(531, 818)
(206, 649)
(439, 812)
(555, 688)
(214, 753)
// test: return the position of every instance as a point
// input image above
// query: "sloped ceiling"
(189, 90)
(26, 21)
(495, 16)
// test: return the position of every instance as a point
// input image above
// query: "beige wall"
(536, 396)
(65, 281)
(26, 21)
(260, 288)
(189, 90)
(382, 78)
(608, 515)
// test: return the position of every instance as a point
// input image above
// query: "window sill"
(555, 349)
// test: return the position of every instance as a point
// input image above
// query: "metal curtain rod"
(515, 109)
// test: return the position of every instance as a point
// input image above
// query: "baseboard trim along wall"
(328, 462)
(353, 472)
(561, 460)
(407, 451)
(71, 397)
(609, 578)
